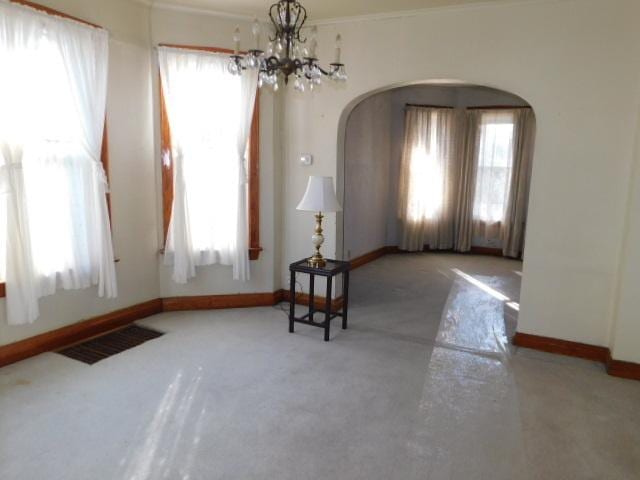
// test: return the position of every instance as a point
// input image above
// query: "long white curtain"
(210, 113)
(53, 89)
(428, 179)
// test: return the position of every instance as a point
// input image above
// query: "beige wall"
(367, 175)
(558, 56)
(132, 175)
(625, 331)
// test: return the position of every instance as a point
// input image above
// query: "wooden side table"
(330, 270)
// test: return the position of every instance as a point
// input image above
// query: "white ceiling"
(320, 9)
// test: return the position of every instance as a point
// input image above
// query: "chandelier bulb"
(236, 41)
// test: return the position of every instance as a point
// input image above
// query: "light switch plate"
(306, 159)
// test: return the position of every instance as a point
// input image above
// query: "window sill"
(254, 252)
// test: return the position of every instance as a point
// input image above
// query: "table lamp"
(320, 197)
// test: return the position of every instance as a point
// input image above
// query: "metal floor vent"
(96, 349)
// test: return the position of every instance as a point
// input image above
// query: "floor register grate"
(105, 346)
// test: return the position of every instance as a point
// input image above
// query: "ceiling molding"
(425, 11)
(202, 11)
(162, 5)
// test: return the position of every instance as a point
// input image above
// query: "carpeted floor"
(424, 385)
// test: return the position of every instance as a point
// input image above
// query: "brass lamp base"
(317, 261)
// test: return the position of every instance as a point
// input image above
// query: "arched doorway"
(370, 144)
(370, 169)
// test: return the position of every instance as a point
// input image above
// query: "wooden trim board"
(561, 347)
(616, 368)
(368, 258)
(619, 368)
(217, 302)
(77, 332)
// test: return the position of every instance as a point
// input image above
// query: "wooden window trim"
(254, 163)
(104, 153)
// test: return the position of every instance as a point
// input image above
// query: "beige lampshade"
(320, 196)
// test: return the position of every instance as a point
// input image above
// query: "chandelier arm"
(302, 14)
(275, 24)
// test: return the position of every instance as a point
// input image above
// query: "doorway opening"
(443, 169)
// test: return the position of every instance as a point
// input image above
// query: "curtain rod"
(499, 107)
(54, 13)
(197, 48)
(490, 107)
(427, 106)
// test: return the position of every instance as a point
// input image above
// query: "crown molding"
(425, 11)
(201, 11)
(163, 5)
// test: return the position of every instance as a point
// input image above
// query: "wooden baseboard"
(619, 368)
(380, 252)
(493, 252)
(368, 258)
(616, 368)
(217, 302)
(78, 332)
(561, 347)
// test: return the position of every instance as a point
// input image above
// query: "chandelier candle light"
(288, 52)
(319, 197)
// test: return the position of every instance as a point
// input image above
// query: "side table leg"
(345, 294)
(327, 311)
(312, 288)
(292, 301)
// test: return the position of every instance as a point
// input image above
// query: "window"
(494, 166)
(214, 218)
(426, 172)
(54, 207)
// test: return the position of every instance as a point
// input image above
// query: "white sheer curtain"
(428, 179)
(210, 113)
(53, 100)
(494, 162)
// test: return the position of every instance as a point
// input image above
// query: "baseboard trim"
(217, 302)
(616, 368)
(619, 368)
(492, 252)
(368, 258)
(381, 252)
(84, 330)
(78, 332)
(561, 347)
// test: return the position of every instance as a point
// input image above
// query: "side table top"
(332, 267)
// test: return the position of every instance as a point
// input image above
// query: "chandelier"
(287, 53)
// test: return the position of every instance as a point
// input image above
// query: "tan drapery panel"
(514, 228)
(469, 142)
(428, 179)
